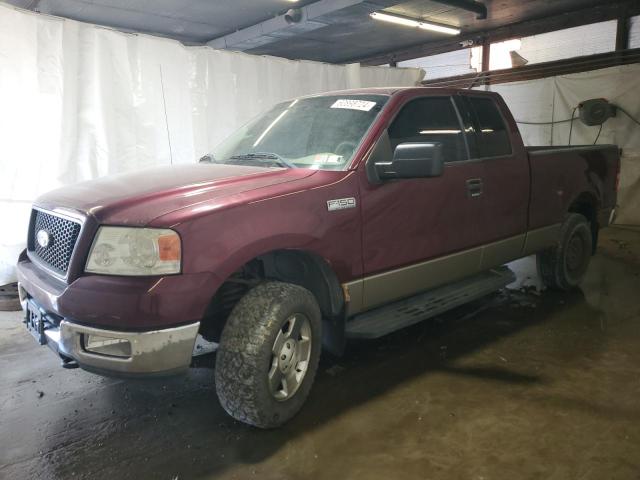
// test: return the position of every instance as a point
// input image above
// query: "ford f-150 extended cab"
(343, 215)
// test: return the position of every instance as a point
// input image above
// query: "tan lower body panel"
(502, 251)
(382, 288)
(355, 296)
(403, 282)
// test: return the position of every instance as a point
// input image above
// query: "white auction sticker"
(363, 105)
(326, 158)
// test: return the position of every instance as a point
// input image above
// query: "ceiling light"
(411, 22)
(394, 19)
(434, 27)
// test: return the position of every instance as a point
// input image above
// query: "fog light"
(115, 347)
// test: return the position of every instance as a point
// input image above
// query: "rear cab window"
(485, 127)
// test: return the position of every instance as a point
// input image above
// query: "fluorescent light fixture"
(434, 27)
(407, 22)
(412, 22)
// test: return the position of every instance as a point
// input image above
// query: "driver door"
(423, 232)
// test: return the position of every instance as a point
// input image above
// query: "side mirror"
(413, 160)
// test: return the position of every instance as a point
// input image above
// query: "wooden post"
(486, 56)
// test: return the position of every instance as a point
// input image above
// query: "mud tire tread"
(245, 348)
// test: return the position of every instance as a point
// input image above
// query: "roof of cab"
(388, 91)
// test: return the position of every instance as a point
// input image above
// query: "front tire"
(268, 354)
(563, 266)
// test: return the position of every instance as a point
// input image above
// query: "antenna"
(166, 120)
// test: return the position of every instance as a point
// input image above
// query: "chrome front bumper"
(114, 352)
(155, 352)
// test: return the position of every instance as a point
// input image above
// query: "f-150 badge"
(341, 204)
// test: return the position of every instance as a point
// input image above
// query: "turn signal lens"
(169, 248)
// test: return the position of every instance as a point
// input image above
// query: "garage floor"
(520, 386)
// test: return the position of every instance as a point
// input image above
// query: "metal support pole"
(622, 33)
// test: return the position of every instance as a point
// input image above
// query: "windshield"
(316, 133)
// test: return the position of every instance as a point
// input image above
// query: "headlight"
(134, 251)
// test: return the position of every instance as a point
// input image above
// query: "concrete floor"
(522, 385)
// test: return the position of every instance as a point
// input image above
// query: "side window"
(430, 119)
(492, 138)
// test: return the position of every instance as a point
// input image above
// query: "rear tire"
(268, 354)
(563, 266)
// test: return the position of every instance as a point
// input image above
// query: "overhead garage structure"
(504, 369)
(336, 31)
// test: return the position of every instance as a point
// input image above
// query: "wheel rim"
(575, 254)
(290, 357)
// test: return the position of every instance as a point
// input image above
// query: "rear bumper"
(612, 216)
(606, 216)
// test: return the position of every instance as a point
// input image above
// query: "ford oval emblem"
(43, 238)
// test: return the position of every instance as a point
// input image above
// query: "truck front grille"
(62, 235)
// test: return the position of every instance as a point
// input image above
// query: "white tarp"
(78, 101)
(554, 98)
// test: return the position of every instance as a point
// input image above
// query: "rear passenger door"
(505, 179)
(419, 233)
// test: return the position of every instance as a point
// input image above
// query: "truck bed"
(555, 185)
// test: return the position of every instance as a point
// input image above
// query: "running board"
(389, 318)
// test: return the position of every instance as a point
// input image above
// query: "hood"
(137, 198)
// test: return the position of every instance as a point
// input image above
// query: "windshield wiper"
(264, 157)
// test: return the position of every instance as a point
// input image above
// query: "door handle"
(474, 187)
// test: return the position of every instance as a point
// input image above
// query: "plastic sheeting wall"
(80, 101)
(554, 98)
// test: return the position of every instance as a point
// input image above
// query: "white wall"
(570, 42)
(634, 32)
(448, 64)
(78, 101)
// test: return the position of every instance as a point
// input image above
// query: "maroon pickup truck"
(343, 215)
